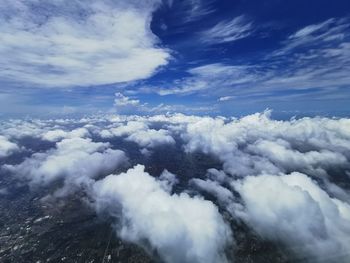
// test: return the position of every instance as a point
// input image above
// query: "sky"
(203, 57)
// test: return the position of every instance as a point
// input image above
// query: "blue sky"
(194, 56)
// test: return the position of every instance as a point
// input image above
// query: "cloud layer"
(287, 181)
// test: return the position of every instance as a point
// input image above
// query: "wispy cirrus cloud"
(327, 33)
(199, 9)
(228, 31)
(202, 79)
(315, 58)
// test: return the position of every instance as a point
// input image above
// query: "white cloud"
(206, 78)
(256, 143)
(196, 9)
(124, 129)
(176, 118)
(54, 135)
(189, 11)
(124, 105)
(294, 210)
(78, 43)
(124, 101)
(151, 138)
(314, 58)
(226, 98)
(7, 147)
(179, 228)
(59, 134)
(140, 133)
(223, 195)
(22, 128)
(228, 31)
(168, 180)
(311, 29)
(51, 129)
(281, 153)
(320, 58)
(74, 160)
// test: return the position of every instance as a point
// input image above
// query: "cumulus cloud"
(59, 134)
(74, 160)
(281, 153)
(178, 228)
(18, 129)
(250, 145)
(127, 128)
(246, 146)
(168, 180)
(151, 138)
(124, 101)
(256, 143)
(294, 210)
(7, 147)
(78, 43)
(52, 130)
(222, 194)
(138, 131)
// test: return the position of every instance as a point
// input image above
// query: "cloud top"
(178, 227)
(7, 147)
(294, 210)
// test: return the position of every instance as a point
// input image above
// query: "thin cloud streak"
(228, 31)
